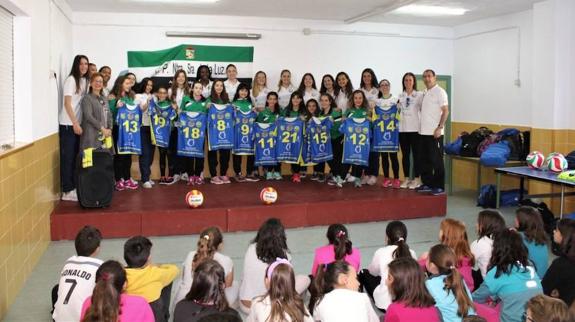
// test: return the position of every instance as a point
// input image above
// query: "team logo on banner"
(190, 53)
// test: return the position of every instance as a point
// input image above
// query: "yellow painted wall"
(29, 186)
(543, 140)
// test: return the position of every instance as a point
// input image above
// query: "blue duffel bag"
(495, 155)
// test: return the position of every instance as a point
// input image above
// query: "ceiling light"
(430, 11)
(224, 35)
(183, 2)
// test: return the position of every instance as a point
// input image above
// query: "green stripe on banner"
(192, 53)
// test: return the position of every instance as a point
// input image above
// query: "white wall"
(487, 55)
(105, 38)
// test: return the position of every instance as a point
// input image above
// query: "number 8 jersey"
(191, 134)
(385, 129)
(220, 127)
(129, 120)
(356, 141)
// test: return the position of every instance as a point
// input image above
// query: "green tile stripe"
(229, 54)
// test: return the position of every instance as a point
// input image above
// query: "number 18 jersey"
(191, 134)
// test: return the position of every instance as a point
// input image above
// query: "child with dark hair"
(269, 115)
(529, 224)
(336, 296)
(206, 295)
(411, 300)
(374, 278)
(510, 277)
(446, 285)
(281, 301)
(339, 248)
(209, 247)
(270, 244)
(152, 282)
(78, 276)
(489, 223)
(560, 277)
(109, 303)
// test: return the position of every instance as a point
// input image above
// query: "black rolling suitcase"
(95, 184)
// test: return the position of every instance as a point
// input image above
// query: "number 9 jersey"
(244, 133)
(129, 119)
(356, 141)
(385, 129)
(191, 134)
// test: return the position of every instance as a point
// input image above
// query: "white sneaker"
(152, 182)
(70, 196)
(372, 180)
(415, 183)
(185, 176)
(364, 179)
(405, 184)
(147, 184)
(350, 178)
(176, 178)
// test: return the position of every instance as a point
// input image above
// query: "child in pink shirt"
(107, 301)
(412, 301)
(339, 248)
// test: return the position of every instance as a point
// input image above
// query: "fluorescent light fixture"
(226, 35)
(181, 2)
(430, 11)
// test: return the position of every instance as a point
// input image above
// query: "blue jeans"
(69, 145)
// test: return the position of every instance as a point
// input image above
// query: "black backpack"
(470, 142)
(519, 145)
(570, 160)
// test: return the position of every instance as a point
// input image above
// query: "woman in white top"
(231, 84)
(260, 90)
(489, 223)
(307, 88)
(369, 86)
(373, 279)
(204, 77)
(327, 85)
(210, 243)
(338, 299)
(70, 119)
(144, 92)
(281, 302)
(270, 243)
(343, 91)
(409, 104)
(285, 88)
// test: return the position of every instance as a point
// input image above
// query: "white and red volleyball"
(557, 162)
(535, 160)
(268, 195)
(194, 198)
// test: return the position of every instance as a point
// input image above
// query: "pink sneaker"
(216, 180)
(130, 184)
(120, 185)
(396, 184)
(191, 181)
(386, 183)
(133, 182)
(225, 179)
(198, 181)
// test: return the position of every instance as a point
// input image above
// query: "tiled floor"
(33, 302)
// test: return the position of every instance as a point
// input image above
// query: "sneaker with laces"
(331, 181)
(386, 183)
(350, 178)
(339, 181)
(357, 183)
(120, 186)
(405, 184)
(364, 179)
(130, 185)
(396, 183)
(147, 185)
(169, 181)
(321, 178)
(303, 174)
(240, 178)
(176, 178)
(296, 178)
(216, 180)
(314, 177)
(437, 191)
(199, 181)
(269, 175)
(415, 183)
(372, 180)
(277, 175)
(252, 178)
(423, 188)
(133, 182)
(162, 180)
(70, 196)
(225, 179)
(185, 176)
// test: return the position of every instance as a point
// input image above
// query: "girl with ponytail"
(373, 279)
(209, 246)
(335, 295)
(339, 248)
(446, 285)
(108, 303)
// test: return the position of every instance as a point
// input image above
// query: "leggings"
(274, 168)
(122, 162)
(385, 158)
(193, 166)
(224, 162)
(335, 163)
(237, 161)
(409, 143)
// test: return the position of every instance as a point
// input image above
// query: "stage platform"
(162, 211)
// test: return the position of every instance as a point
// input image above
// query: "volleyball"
(268, 195)
(194, 198)
(557, 162)
(535, 160)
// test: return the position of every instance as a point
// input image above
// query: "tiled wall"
(29, 184)
(543, 140)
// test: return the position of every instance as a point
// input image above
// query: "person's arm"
(230, 279)
(552, 278)
(374, 267)
(69, 90)
(167, 273)
(441, 125)
(482, 294)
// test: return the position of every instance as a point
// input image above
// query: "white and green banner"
(162, 64)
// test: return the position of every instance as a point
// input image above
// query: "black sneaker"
(423, 188)
(437, 191)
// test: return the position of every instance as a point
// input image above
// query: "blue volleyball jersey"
(290, 139)
(129, 119)
(191, 134)
(244, 133)
(265, 144)
(220, 127)
(319, 138)
(161, 118)
(356, 141)
(385, 130)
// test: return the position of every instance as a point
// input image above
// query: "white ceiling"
(316, 9)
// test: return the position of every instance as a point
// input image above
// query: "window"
(7, 133)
